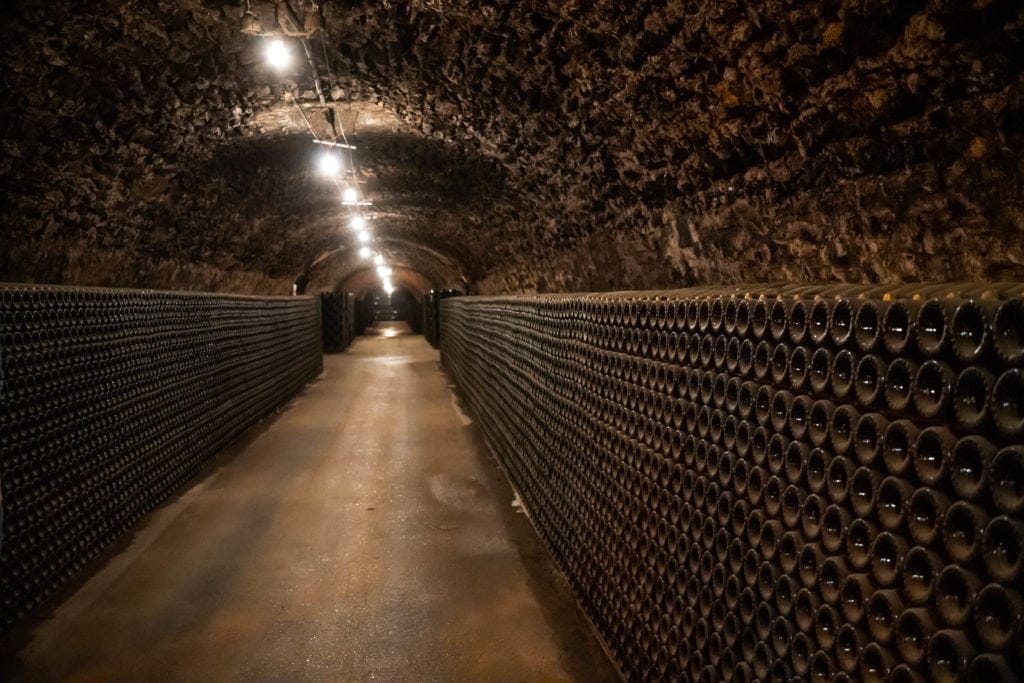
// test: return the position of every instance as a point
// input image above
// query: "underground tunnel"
(512, 341)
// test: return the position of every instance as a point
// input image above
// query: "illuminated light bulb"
(358, 223)
(278, 55)
(384, 272)
(379, 260)
(365, 252)
(388, 287)
(329, 165)
(349, 195)
(363, 237)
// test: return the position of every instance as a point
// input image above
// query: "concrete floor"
(362, 533)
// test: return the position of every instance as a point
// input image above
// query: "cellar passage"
(816, 477)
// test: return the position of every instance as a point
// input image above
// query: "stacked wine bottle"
(337, 315)
(111, 399)
(769, 482)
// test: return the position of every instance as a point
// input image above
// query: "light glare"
(365, 253)
(349, 195)
(329, 165)
(358, 223)
(278, 55)
(363, 237)
(379, 260)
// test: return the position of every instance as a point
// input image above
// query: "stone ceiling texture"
(517, 146)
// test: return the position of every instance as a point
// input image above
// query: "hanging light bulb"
(388, 287)
(363, 237)
(251, 25)
(349, 196)
(314, 20)
(358, 223)
(384, 272)
(329, 164)
(365, 252)
(378, 260)
(278, 55)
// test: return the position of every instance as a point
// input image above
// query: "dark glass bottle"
(840, 471)
(899, 383)
(991, 668)
(860, 536)
(884, 608)
(886, 556)
(933, 388)
(799, 367)
(864, 487)
(970, 330)
(997, 612)
(811, 516)
(933, 451)
(875, 663)
(955, 590)
(1006, 479)
(949, 653)
(914, 629)
(842, 373)
(819, 370)
(867, 324)
(898, 326)
(1007, 402)
(932, 326)
(926, 511)
(1002, 548)
(893, 496)
(834, 522)
(971, 459)
(844, 419)
(920, 571)
(850, 640)
(962, 529)
(819, 421)
(817, 470)
(853, 598)
(971, 395)
(1008, 331)
(897, 448)
(868, 437)
(799, 411)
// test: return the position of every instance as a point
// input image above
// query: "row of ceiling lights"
(331, 161)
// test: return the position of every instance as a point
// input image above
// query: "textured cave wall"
(658, 144)
(544, 146)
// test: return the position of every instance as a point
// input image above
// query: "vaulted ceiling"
(515, 146)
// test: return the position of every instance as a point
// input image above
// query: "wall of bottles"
(338, 320)
(770, 482)
(111, 399)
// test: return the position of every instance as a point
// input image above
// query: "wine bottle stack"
(111, 399)
(769, 482)
(337, 313)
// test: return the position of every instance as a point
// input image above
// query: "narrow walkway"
(362, 533)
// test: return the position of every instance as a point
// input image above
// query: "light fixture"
(314, 20)
(251, 25)
(378, 260)
(384, 272)
(358, 223)
(349, 196)
(329, 164)
(365, 252)
(278, 55)
(388, 287)
(363, 237)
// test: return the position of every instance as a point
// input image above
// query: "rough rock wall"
(551, 145)
(656, 144)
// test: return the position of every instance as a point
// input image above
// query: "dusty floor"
(362, 533)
